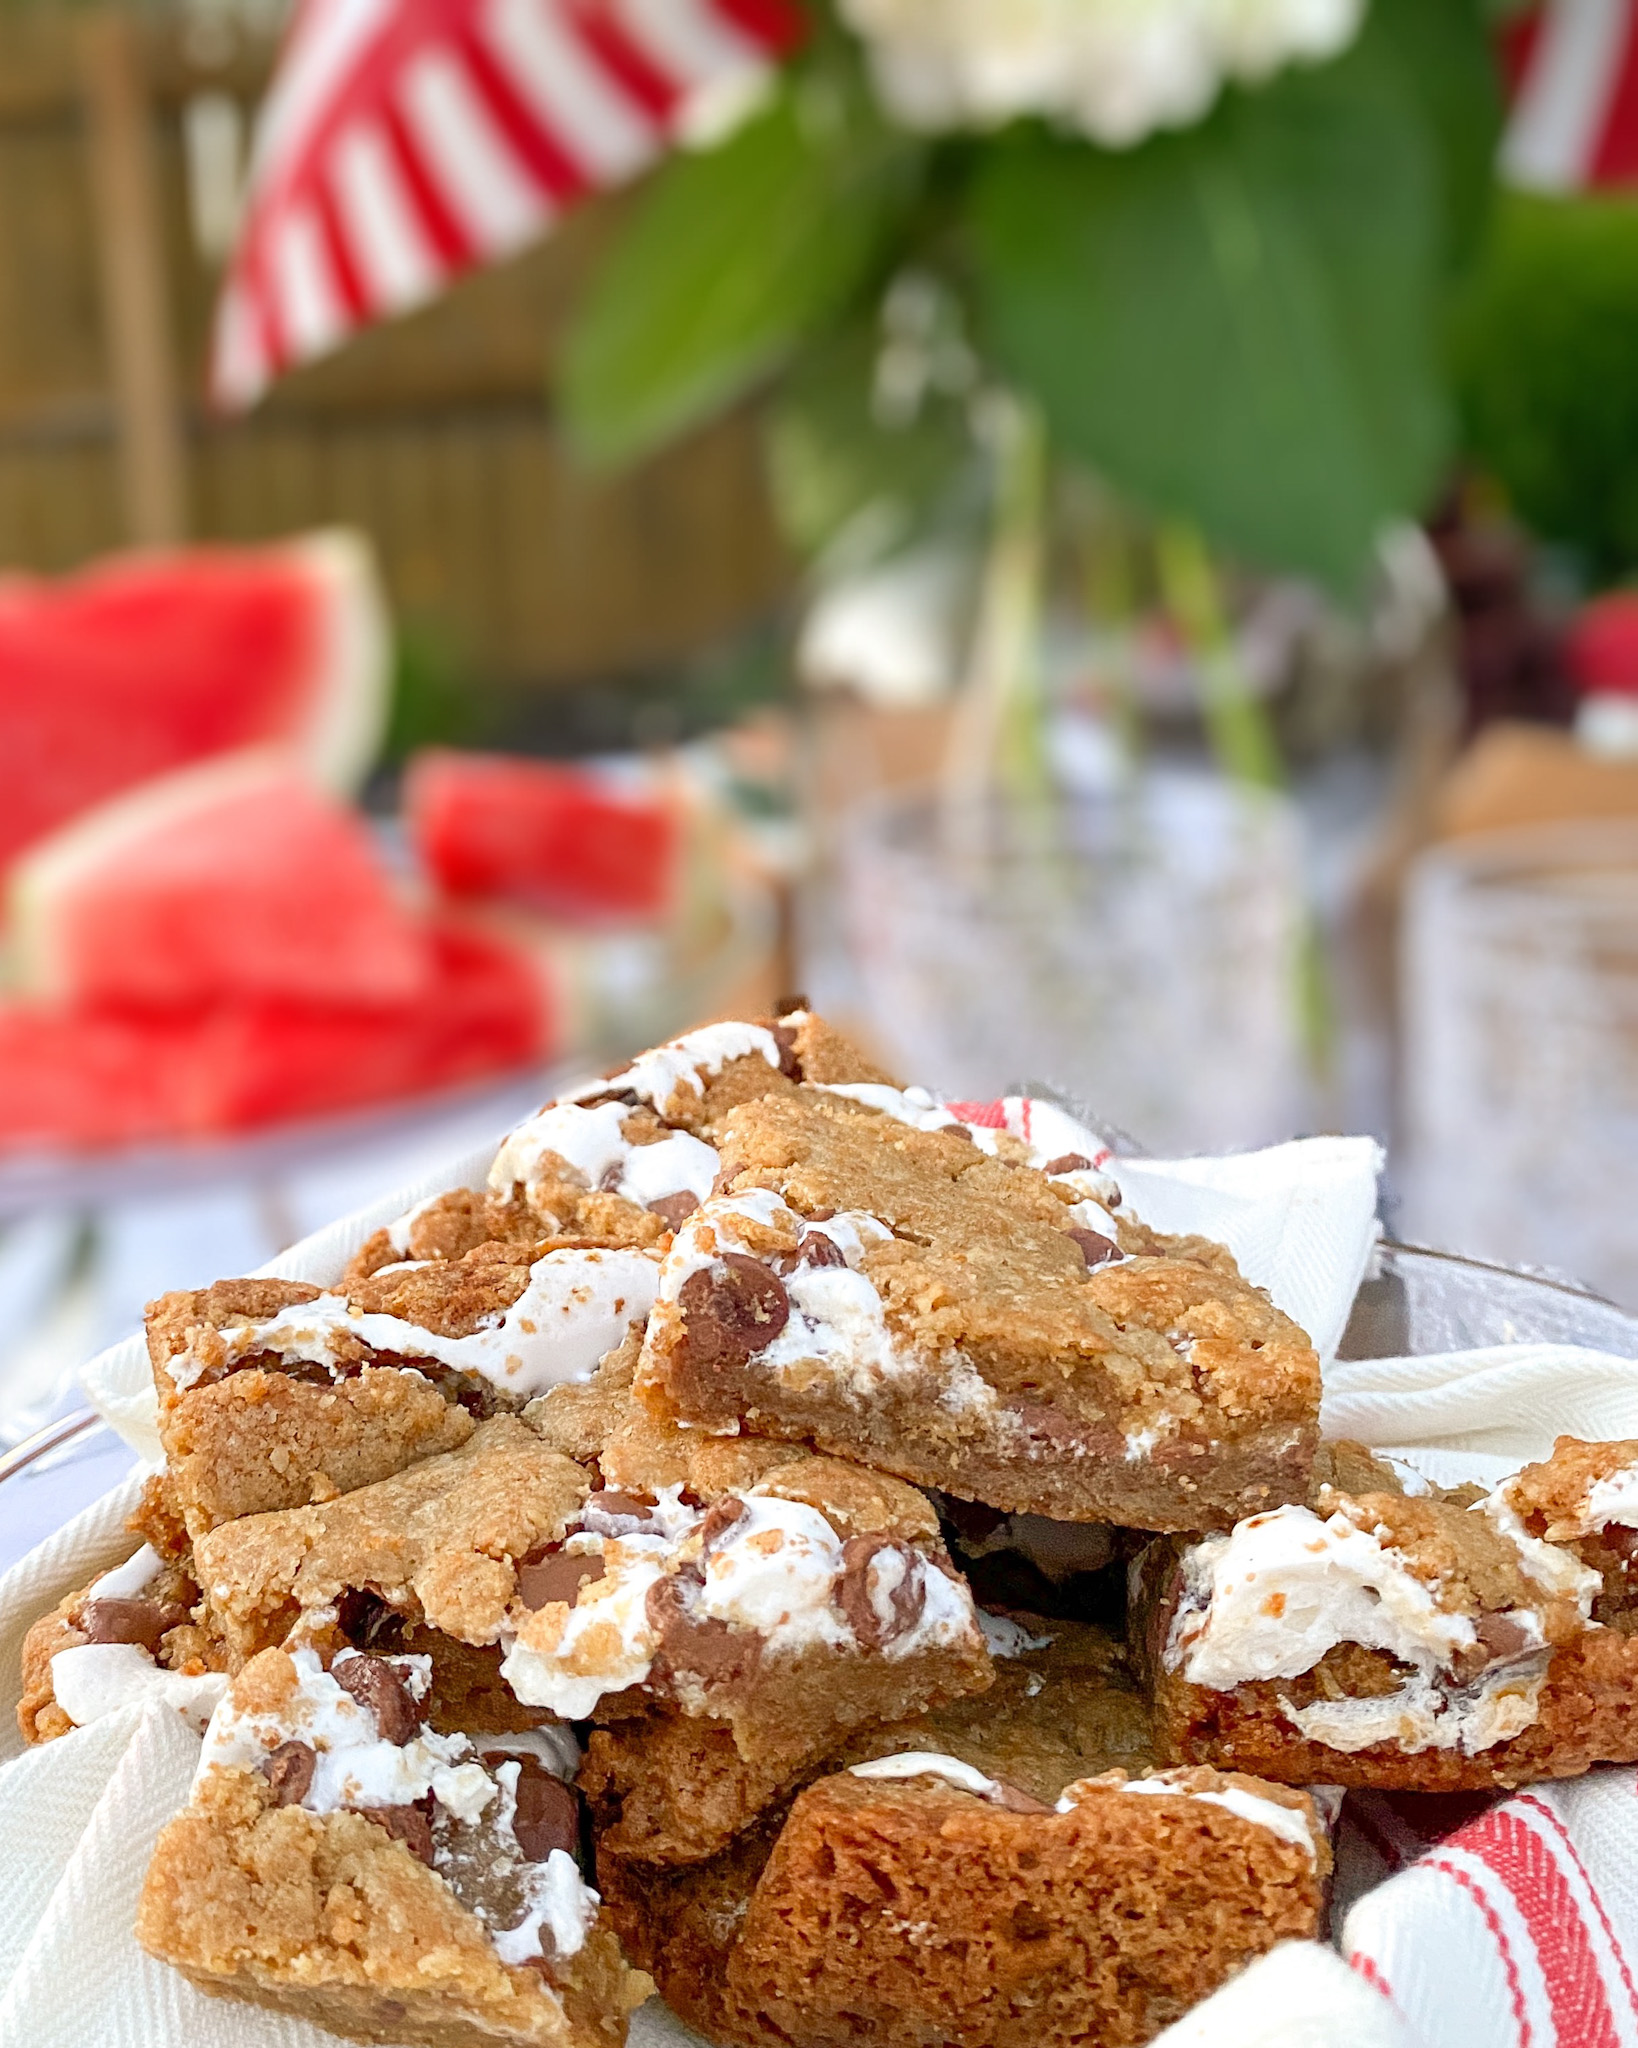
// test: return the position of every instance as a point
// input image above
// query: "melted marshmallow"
(1005, 1637)
(576, 1308)
(561, 1904)
(1285, 1821)
(354, 1766)
(591, 1142)
(775, 1571)
(129, 1580)
(1271, 1599)
(837, 1320)
(1099, 1194)
(927, 1763)
(654, 1077)
(94, 1679)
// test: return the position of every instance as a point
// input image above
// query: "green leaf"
(1546, 372)
(1237, 324)
(735, 259)
(1443, 51)
(833, 455)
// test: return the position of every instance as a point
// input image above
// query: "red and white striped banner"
(404, 141)
(1573, 74)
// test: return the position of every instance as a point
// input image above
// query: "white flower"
(1115, 69)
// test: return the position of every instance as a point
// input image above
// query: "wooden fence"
(434, 433)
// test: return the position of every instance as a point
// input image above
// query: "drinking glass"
(1520, 1015)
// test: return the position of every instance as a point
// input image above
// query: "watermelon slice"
(149, 661)
(577, 843)
(233, 878)
(95, 1078)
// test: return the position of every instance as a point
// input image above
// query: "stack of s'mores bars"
(787, 1544)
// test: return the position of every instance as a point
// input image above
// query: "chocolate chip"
(547, 1576)
(1096, 1250)
(144, 1622)
(612, 1177)
(1501, 1635)
(675, 1210)
(610, 1502)
(407, 1824)
(719, 1519)
(289, 1772)
(785, 1038)
(376, 1685)
(699, 1652)
(548, 1811)
(819, 1250)
(905, 1602)
(972, 1520)
(731, 1311)
(1029, 1923)
(1049, 1432)
(1068, 1162)
(1013, 1801)
(366, 1620)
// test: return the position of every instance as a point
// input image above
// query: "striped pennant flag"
(1573, 76)
(405, 141)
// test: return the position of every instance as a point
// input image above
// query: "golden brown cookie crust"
(329, 1918)
(1159, 1392)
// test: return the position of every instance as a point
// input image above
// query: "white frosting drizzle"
(576, 1308)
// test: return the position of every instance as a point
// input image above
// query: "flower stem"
(1239, 729)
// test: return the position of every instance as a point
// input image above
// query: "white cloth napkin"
(1520, 1931)
(1300, 1219)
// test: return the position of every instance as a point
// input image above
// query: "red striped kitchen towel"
(404, 141)
(1518, 1930)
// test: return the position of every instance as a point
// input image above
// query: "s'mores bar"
(726, 1640)
(342, 1861)
(904, 1297)
(1413, 1643)
(622, 1159)
(1585, 1498)
(273, 1393)
(131, 1634)
(804, 1598)
(991, 1877)
(424, 1563)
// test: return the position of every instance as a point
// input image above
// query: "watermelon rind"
(352, 697)
(57, 871)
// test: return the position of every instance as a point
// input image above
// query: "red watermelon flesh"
(99, 1078)
(570, 841)
(235, 877)
(149, 661)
